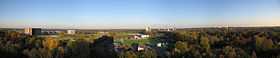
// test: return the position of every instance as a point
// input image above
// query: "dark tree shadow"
(268, 53)
(167, 39)
(103, 48)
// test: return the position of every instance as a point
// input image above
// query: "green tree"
(267, 44)
(78, 49)
(128, 54)
(59, 52)
(263, 43)
(150, 53)
(181, 36)
(61, 34)
(31, 53)
(230, 52)
(259, 41)
(181, 47)
(37, 53)
(45, 53)
(204, 41)
(194, 35)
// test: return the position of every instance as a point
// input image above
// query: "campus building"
(33, 31)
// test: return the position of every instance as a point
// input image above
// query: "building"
(140, 48)
(148, 29)
(167, 29)
(162, 44)
(138, 36)
(51, 32)
(171, 29)
(71, 32)
(33, 31)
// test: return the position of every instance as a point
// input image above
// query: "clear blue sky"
(138, 13)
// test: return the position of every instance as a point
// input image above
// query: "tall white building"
(148, 29)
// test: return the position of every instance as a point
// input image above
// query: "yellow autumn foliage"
(50, 43)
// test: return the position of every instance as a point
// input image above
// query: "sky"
(114, 14)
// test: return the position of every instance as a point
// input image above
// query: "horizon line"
(144, 28)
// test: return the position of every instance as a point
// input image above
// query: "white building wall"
(71, 31)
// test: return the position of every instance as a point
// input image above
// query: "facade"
(51, 32)
(167, 29)
(71, 31)
(138, 36)
(33, 31)
(171, 29)
(140, 48)
(148, 29)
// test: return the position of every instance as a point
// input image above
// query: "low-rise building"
(140, 48)
(71, 32)
(138, 36)
(33, 31)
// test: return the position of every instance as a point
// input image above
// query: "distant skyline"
(117, 14)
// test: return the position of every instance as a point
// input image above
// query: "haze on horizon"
(103, 14)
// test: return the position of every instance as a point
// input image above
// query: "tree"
(129, 54)
(259, 41)
(204, 41)
(103, 47)
(50, 43)
(230, 52)
(33, 53)
(13, 34)
(45, 53)
(78, 49)
(263, 43)
(149, 53)
(59, 52)
(267, 44)
(61, 34)
(181, 47)
(180, 36)
(37, 53)
(194, 35)
(221, 56)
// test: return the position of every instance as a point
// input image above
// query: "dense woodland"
(186, 43)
